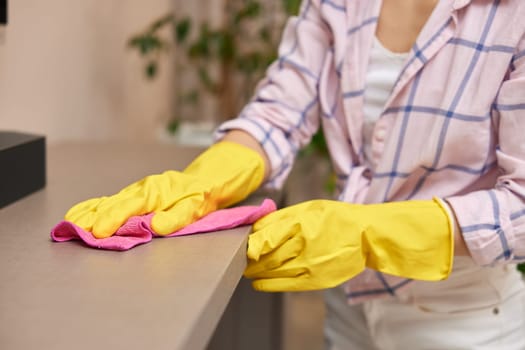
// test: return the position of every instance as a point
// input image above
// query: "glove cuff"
(233, 170)
(450, 220)
(412, 239)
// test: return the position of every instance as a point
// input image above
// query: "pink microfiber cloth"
(137, 230)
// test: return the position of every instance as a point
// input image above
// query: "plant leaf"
(265, 35)
(151, 69)
(206, 80)
(252, 9)
(226, 46)
(201, 47)
(291, 7)
(173, 126)
(146, 43)
(161, 22)
(182, 30)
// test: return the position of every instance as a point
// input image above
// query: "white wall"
(65, 71)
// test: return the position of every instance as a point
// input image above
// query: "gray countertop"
(167, 294)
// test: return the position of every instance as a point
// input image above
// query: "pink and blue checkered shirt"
(453, 127)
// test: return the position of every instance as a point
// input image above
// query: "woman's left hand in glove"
(321, 243)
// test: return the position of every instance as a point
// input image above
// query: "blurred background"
(131, 70)
(66, 71)
(155, 71)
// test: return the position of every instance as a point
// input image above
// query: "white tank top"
(383, 70)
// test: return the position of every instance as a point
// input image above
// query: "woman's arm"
(493, 221)
(283, 114)
(460, 247)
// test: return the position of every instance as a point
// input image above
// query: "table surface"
(167, 294)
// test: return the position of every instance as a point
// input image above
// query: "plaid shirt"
(453, 127)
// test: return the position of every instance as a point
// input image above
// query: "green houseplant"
(223, 62)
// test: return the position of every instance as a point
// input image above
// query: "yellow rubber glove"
(320, 244)
(224, 174)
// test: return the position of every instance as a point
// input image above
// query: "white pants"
(476, 308)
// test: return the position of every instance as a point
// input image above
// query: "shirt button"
(380, 134)
(377, 150)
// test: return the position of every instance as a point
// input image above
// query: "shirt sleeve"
(493, 221)
(283, 114)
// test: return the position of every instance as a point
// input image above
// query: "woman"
(423, 107)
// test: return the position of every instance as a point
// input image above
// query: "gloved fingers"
(114, 212)
(293, 284)
(84, 220)
(286, 252)
(80, 208)
(145, 182)
(292, 269)
(275, 218)
(183, 213)
(265, 240)
(284, 284)
(83, 213)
